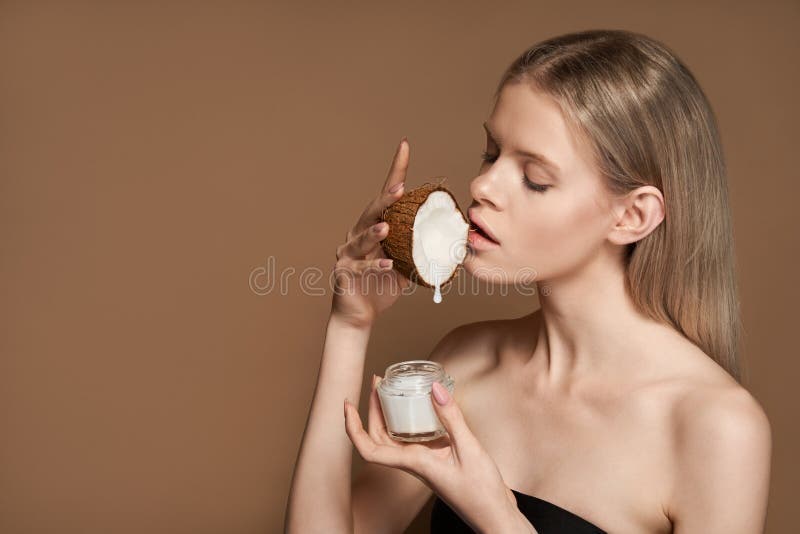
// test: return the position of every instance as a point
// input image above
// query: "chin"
(488, 272)
(495, 274)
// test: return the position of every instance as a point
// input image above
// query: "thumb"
(451, 417)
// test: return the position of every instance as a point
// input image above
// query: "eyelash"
(527, 183)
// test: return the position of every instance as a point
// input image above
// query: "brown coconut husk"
(398, 242)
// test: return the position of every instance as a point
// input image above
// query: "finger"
(348, 267)
(392, 189)
(367, 447)
(376, 422)
(461, 437)
(365, 242)
(374, 211)
(355, 431)
(397, 171)
(413, 457)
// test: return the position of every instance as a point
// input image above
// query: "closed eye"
(533, 186)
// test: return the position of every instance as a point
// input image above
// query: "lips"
(477, 225)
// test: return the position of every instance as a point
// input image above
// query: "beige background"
(153, 155)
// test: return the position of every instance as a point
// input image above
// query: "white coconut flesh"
(439, 240)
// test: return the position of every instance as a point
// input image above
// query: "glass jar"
(405, 396)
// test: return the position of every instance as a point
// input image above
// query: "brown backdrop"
(154, 157)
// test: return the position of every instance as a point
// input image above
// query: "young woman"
(617, 405)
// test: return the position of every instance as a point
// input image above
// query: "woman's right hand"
(365, 287)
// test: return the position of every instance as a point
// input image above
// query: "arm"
(320, 496)
(723, 464)
(322, 475)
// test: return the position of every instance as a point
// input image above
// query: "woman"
(614, 407)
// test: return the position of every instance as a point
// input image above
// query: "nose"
(486, 189)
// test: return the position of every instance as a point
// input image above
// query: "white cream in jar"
(405, 396)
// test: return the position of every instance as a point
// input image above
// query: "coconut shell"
(398, 242)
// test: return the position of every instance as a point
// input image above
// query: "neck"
(589, 327)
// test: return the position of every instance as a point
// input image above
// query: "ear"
(637, 214)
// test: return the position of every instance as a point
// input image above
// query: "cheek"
(563, 232)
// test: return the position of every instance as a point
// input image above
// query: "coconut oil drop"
(437, 282)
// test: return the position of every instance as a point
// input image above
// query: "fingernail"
(396, 188)
(440, 393)
(374, 380)
(385, 263)
(404, 140)
(378, 228)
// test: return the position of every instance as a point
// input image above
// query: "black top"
(546, 517)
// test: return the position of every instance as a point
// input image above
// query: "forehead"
(526, 119)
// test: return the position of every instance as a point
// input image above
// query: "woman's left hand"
(455, 466)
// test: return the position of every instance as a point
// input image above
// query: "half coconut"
(427, 236)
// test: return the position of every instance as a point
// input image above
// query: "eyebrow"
(539, 158)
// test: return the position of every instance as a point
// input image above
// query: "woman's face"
(550, 214)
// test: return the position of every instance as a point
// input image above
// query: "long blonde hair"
(648, 122)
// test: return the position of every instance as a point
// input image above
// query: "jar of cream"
(405, 396)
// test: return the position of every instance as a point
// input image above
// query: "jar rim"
(414, 377)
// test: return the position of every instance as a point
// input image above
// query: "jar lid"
(414, 377)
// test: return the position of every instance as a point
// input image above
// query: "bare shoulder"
(472, 349)
(713, 404)
(725, 407)
(700, 392)
(722, 453)
(726, 414)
